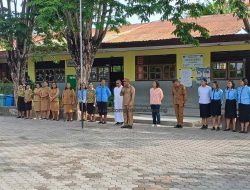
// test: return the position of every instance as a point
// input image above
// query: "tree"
(16, 28)
(61, 18)
(236, 7)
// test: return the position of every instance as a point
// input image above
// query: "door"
(116, 73)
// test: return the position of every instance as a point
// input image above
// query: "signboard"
(186, 77)
(192, 61)
(202, 73)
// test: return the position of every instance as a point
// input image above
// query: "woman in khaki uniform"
(91, 102)
(37, 100)
(20, 101)
(45, 102)
(68, 101)
(28, 95)
(54, 101)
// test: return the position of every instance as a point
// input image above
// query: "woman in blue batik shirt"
(82, 94)
(216, 96)
(231, 105)
(244, 105)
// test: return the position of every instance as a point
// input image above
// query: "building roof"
(161, 30)
(222, 28)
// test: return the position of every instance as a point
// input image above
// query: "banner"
(186, 77)
(202, 73)
(192, 61)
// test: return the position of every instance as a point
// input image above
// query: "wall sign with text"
(193, 61)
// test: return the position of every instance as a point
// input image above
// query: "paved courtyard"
(49, 155)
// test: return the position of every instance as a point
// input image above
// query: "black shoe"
(18, 117)
(204, 127)
(124, 126)
(180, 126)
(217, 129)
(121, 123)
(117, 123)
(226, 129)
(177, 126)
(242, 132)
(129, 127)
(100, 122)
(233, 130)
(213, 129)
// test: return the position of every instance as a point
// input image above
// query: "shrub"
(6, 88)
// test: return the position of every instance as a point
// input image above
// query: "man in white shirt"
(204, 101)
(118, 100)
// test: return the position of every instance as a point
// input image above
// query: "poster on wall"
(202, 73)
(193, 61)
(186, 77)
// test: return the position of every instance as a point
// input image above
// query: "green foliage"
(6, 88)
(236, 7)
(60, 16)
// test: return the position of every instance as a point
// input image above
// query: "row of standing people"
(211, 100)
(124, 96)
(210, 104)
(46, 101)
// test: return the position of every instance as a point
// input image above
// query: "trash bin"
(2, 100)
(9, 100)
(72, 80)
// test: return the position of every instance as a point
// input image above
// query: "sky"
(135, 19)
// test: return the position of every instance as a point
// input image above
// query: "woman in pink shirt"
(156, 96)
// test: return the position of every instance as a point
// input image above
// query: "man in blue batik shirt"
(102, 95)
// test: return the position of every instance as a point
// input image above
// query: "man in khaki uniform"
(128, 93)
(179, 99)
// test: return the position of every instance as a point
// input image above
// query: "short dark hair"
(204, 79)
(175, 80)
(157, 83)
(245, 81)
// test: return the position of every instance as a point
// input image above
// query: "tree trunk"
(88, 60)
(89, 53)
(17, 66)
(247, 25)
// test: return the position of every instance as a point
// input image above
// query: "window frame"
(162, 78)
(228, 70)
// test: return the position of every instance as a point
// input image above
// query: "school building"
(145, 52)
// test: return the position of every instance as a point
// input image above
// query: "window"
(50, 71)
(227, 70)
(156, 67)
(155, 72)
(219, 70)
(117, 68)
(98, 73)
(236, 70)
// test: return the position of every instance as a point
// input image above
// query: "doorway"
(110, 69)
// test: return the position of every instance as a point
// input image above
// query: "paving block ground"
(50, 155)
